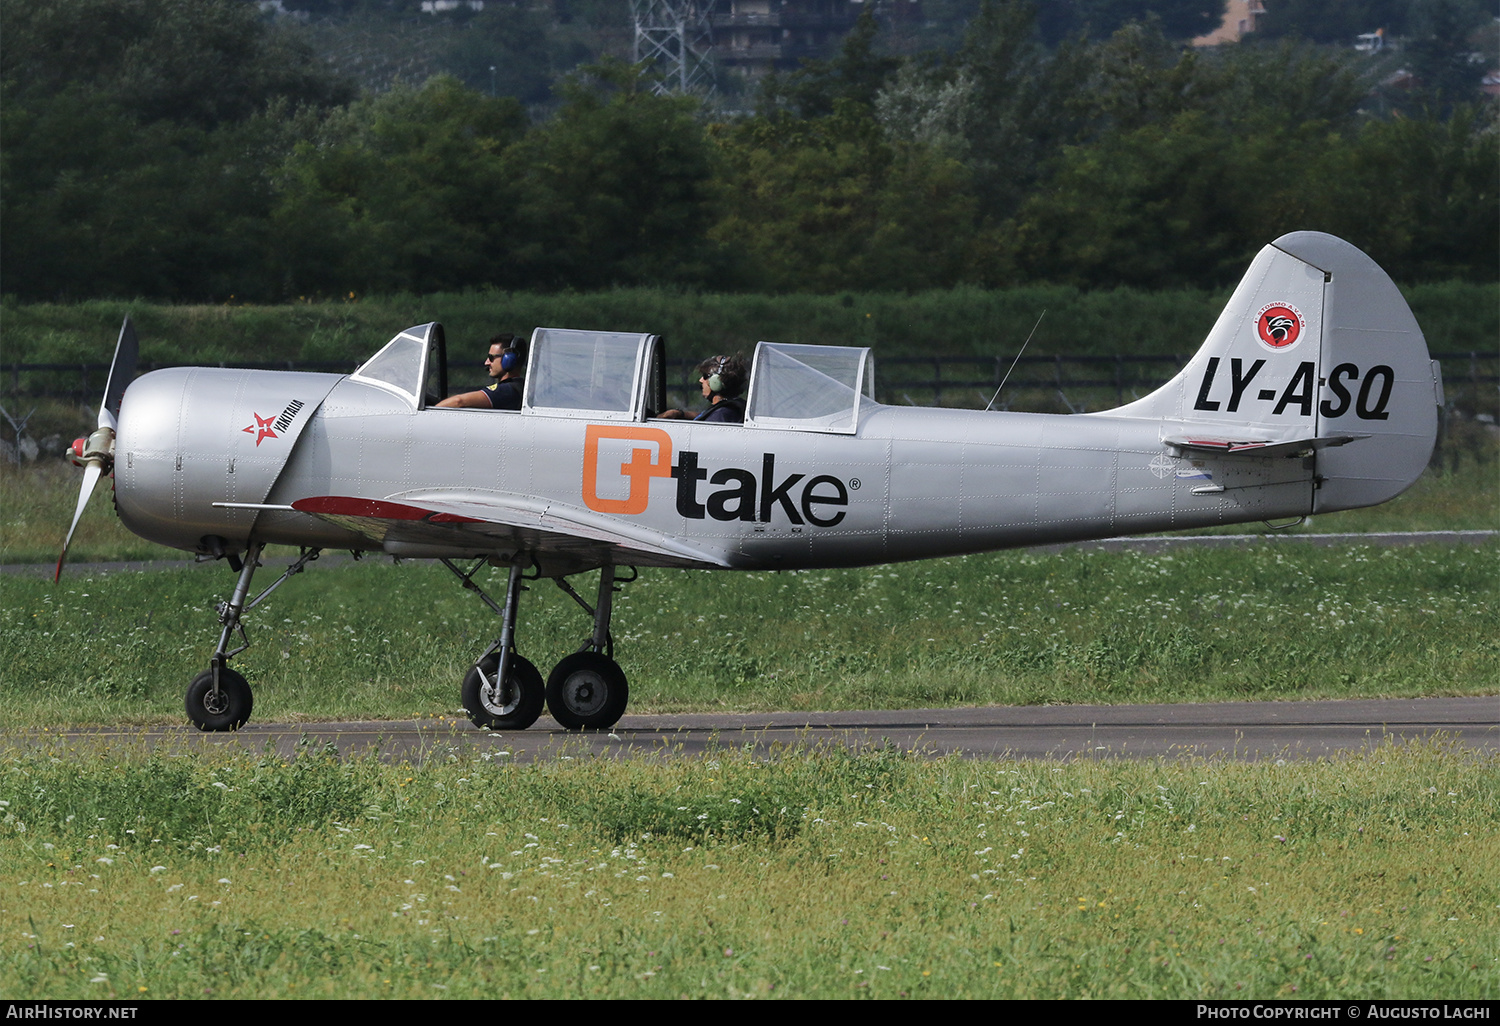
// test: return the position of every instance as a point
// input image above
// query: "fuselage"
(210, 453)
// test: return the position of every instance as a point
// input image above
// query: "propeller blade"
(121, 373)
(91, 475)
(98, 450)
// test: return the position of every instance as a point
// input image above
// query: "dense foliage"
(194, 150)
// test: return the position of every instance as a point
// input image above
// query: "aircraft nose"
(187, 440)
(149, 457)
(199, 448)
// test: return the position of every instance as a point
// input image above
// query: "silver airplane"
(1314, 392)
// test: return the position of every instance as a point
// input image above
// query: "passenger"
(507, 365)
(722, 379)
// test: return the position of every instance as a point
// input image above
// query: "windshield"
(400, 366)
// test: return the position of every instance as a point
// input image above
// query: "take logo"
(638, 470)
(742, 494)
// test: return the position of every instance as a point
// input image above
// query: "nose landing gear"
(219, 698)
(224, 704)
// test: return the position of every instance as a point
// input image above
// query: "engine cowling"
(191, 437)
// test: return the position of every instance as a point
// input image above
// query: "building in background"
(1240, 17)
(756, 37)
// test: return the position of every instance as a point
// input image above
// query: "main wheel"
(512, 707)
(228, 710)
(587, 690)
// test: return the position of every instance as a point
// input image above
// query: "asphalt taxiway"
(1250, 731)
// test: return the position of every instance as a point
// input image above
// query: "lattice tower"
(676, 38)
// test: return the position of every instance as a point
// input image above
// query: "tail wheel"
(587, 690)
(512, 706)
(228, 710)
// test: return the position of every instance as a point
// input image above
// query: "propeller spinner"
(96, 454)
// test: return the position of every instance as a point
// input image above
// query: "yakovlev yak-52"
(1314, 392)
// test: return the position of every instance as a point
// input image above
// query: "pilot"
(506, 363)
(722, 379)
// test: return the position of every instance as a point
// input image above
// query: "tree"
(134, 138)
(1438, 54)
(1332, 21)
(828, 203)
(197, 62)
(1148, 207)
(616, 189)
(1097, 19)
(403, 191)
(1018, 115)
(855, 76)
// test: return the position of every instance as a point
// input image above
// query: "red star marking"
(261, 425)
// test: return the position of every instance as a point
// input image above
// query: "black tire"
(230, 711)
(526, 699)
(587, 691)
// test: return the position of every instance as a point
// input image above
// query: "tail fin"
(1316, 352)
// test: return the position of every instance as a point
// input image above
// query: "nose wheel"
(225, 708)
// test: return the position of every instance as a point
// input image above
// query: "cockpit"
(620, 376)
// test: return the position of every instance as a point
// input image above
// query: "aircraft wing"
(452, 523)
(1264, 448)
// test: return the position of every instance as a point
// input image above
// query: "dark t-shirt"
(504, 395)
(726, 411)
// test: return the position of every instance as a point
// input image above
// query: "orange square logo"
(639, 469)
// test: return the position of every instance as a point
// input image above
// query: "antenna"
(1017, 360)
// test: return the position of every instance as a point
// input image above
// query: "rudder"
(1377, 378)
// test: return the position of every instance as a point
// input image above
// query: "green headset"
(715, 378)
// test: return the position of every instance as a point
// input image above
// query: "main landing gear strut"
(501, 691)
(219, 698)
(587, 690)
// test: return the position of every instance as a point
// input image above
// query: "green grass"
(815, 874)
(392, 642)
(36, 507)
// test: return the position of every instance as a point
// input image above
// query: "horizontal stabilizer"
(1260, 448)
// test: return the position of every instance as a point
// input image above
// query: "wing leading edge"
(512, 529)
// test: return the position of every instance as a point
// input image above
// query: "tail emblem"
(1279, 325)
